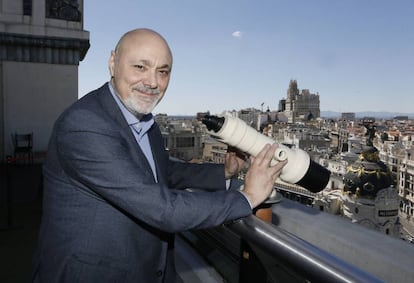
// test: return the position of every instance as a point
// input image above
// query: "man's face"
(140, 70)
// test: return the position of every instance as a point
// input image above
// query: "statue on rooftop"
(63, 10)
(370, 133)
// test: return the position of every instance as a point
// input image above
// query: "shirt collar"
(141, 126)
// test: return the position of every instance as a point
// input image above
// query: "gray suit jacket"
(105, 219)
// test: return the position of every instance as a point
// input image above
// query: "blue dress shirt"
(139, 128)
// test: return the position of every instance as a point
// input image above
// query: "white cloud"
(237, 33)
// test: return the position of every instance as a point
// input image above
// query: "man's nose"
(151, 80)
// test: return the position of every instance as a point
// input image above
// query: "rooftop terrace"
(301, 245)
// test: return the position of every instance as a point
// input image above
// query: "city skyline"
(357, 55)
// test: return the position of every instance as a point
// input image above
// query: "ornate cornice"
(42, 49)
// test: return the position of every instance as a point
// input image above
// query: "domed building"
(368, 196)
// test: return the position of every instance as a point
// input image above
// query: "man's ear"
(111, 63)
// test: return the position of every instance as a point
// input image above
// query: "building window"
(185, 142)
(27, 7)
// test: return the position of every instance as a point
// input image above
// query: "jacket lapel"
(111, 108)
(159, 153)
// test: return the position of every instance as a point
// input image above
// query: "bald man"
(113, 199)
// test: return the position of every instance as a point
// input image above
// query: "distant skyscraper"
(282, 105)
(301, 105)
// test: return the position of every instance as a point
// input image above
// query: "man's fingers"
(265, 155)
(277, 169)
(270, 153)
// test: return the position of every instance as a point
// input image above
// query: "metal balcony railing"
(303, 244)
(305, 259)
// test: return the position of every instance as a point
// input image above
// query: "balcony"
(306, 245)
(301, 244)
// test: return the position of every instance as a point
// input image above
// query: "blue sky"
(234, 54)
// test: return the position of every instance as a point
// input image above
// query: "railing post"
(8, 198)
(251, 268)
(264, 212)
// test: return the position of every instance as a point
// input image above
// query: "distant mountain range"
(334, 114)
(377, 115)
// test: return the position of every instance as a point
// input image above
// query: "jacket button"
(158, 273)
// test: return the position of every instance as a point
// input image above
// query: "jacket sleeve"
(199, 176)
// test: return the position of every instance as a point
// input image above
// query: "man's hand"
(234, 162)
(261, 177)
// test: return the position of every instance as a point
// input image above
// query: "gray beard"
(136, 110)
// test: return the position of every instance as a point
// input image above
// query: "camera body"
(300, 169)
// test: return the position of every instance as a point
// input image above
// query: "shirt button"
(158, 273)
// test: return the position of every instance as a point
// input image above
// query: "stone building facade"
(300, 105)
(41, 45)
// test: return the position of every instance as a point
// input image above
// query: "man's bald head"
(143, 34)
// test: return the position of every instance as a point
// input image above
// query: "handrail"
(306, 259)
(386, 257)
